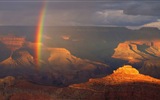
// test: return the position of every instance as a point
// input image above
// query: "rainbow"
(39, 32)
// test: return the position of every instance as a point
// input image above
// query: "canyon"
(58, 67)
(87, 68)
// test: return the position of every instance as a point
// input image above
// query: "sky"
(80, 12)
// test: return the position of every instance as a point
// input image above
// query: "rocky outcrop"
(63, 59)
(7, 81)
(137, 51)
(70, 69)
(127, 69)
(4, 52)
(123, 74)
(12, 42)
(146, 53)
(58, 67)
(125, 83)
(123, 51)
(19, 58)
(151, 67)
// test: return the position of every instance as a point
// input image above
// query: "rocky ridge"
(143, 52)
(59, 67)
(137, 51)
(126, 83)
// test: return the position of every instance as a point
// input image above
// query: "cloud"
(118, 17)
(135, 7)
(100, 13)
(79, 13)
(144, 8)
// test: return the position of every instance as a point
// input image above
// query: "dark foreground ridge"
(124, 84)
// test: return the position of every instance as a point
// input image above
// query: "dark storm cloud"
(86, 13)
(117, 17)
(76, 12)
(144, 8)
(136, 7)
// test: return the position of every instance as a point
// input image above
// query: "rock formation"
(7, 81)
(73, 69)
(141, 51)
(126, 83)
(151, 67)
(19, 58)
(127, 69)
(12, 42)
(59, 67)
(137, 51)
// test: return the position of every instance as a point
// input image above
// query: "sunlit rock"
(126, 69)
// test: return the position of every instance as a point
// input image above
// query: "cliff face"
(70, 69)
(151, 67)
(63, 59)
(137, 51)
(141, 51)
(19, 58)
(125, 83)
(58, 67)
(124, 52)
(12, 42)
(123, 75)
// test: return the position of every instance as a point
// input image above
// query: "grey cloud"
(148, 7)
(118, 17)
(76, 12)
(144, 8)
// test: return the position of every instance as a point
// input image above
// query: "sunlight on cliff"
(136, 51)
(126, 69)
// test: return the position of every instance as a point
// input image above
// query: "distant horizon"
(107, 26)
